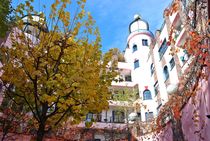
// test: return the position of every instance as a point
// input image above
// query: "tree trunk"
(40, 132)
(5, 131)
(177, 130)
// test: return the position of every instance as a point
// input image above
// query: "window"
(134, 48)
(116, 92)
(165, 72)
(128, 78)
(144, 42)
(178, 30)
(156, 87)
(185, 56)
(158, 108)
(149, 116)
(118, 116)
(152, 69)
(89, 116)
(172, 63)
(136, 64)
(138, 114)
(162, 49)
(147, 95)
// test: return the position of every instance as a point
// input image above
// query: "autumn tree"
(64, 73)
(5, 16)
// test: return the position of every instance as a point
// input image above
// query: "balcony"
(124, 83)
(174, 17)
(179, 34)
(120, 103)
(180, 37)
(104, 125)
(115, 118)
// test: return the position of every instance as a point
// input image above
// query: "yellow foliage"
(65, 74)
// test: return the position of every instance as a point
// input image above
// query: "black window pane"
(128, 78)
(136, 64)
(163, 49)
(172, 63)
(165, 72)
(134, 48)
(144, 42)
(152, 68)
(156, 87)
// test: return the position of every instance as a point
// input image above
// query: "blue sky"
(114, 16)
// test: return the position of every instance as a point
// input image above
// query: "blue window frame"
(165, 72)
(162, 49)
(147, 95)
(136, 64)
(144, 42)
(134, 47)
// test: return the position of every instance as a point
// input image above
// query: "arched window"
(165, 72)
(152, 69)
(134, 47)
(147, 95)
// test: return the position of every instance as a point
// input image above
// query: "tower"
(137, 54)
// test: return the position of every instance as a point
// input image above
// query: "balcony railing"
(108, 119)
(125, 78)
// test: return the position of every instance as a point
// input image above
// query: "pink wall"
(200, 129)
(195, 128)
(166, 134)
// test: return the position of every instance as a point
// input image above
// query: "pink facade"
(195, 124)
(166, 134)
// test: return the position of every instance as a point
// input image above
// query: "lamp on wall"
(172, 88)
